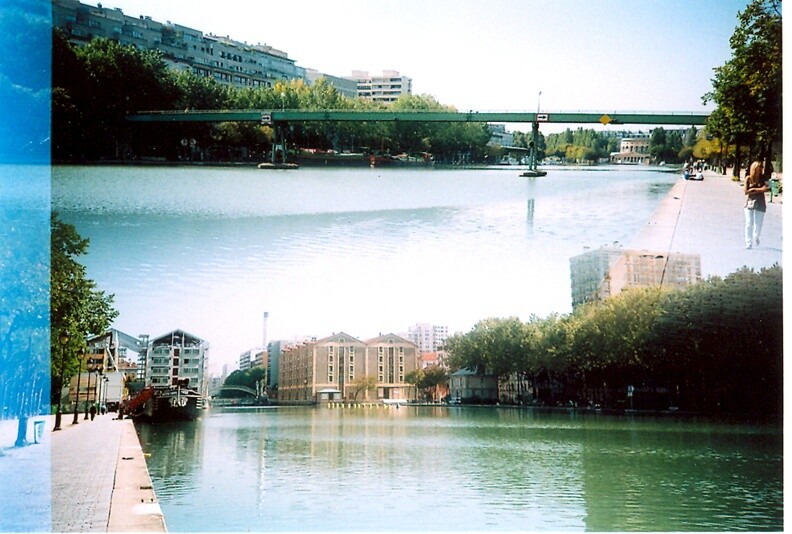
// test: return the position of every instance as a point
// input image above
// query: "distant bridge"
(295, 115)
(244, 389)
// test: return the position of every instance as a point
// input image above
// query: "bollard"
(38, 431)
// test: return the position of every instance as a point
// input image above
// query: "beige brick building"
(334, 368)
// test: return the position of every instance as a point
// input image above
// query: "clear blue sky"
(593, 55)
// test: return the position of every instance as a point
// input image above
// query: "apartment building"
(344, 86)
(332, 369)
(608, 271)
(588, 270)
(386, 88)
(228, 61)
(428, 337)
(177, 357)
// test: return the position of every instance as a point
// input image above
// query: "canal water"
(363, 251)
(462, 469)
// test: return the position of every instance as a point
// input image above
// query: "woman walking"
(755, 207)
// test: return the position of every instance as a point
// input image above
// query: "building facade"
(177, 358)
(228, 61)
(428, 337)
(632, 151)
(386, 88)
(344, 86)
(607, 271)
(245, 360)
(342, 367)
(467, 385)
(588, 270)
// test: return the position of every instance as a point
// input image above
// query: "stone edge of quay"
(133, 506)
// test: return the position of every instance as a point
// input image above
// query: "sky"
(498, 55)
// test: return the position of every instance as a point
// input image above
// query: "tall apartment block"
(228, 61)
(428, 337)
(608, 271)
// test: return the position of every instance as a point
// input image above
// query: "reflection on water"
(282, 469)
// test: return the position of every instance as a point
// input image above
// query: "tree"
(365, 384)
(415, 377)
(434, 376)
(748, 88)
(24, 303)
(77, 308)
(247, 378)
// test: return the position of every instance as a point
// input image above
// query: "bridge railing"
(266, 116)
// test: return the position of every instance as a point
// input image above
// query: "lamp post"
(87, 391)
(77, 400)
(535, 132)
(103, 394)
(64, 341)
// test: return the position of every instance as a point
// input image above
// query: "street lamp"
(77, 400)
(103, 394)
(64, 341)
(87, 391)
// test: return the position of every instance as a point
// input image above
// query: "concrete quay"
(706, 218)
(89, 477)
(100, 481)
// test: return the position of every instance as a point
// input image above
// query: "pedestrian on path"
(755, 206)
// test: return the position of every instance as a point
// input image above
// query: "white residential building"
(428, 337)
(386, 88)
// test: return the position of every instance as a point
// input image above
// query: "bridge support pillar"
(279, 142)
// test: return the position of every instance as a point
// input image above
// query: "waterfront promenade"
(97, 480)
(706, 218)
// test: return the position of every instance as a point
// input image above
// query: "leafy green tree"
(434, 377)
(245, 378)
(415, 377)
(748, 88)
(77, 308)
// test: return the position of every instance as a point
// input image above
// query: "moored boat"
(384, 160)
(175, 378)
(173, 403)
(315, 156)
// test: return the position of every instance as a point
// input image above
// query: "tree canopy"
(78, 309)
(747, 89)
(717, 345)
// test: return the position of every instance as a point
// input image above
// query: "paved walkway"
(706, 218)
(89, 477)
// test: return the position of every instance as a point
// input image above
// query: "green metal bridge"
(293, 115)
(280, 118)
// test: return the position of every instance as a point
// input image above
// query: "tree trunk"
(21, 439)
(736, 168)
